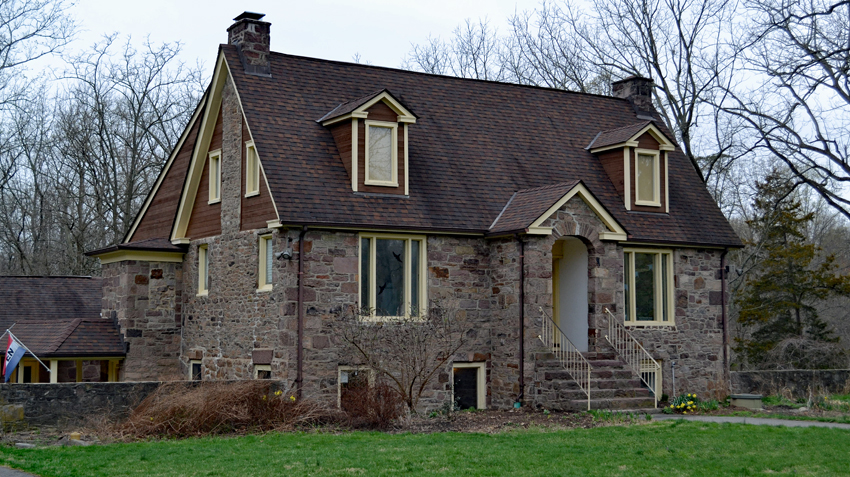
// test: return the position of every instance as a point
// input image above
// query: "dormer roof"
(356, 108)
(627, 136)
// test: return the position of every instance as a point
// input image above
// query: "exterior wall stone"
(146, 300)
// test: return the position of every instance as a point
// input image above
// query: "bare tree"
(407, 352)
(795, 98)
(475, 51)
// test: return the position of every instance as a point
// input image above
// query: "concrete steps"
(612, 385)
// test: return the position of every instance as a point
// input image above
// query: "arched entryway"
(569, 289)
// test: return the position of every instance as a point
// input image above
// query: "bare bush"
(372, 407)
(802, 353)
(405, 352)
(183, 410)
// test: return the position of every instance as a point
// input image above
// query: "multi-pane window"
(252, 170)
(648, 190)
(266, 262)
(203, 270)
(215, 176)
(392, 274)
(381, 153)
(649, 287)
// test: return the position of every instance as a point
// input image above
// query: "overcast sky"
(380, 30)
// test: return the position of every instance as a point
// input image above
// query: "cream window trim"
(627, 171)
(215, 177)
(406, 168)
(203, 272)
(481, 383)
(354, 146)
(393, 182)
(666, 182)
(408, 261)
(656, 176)
(252, 170)
(348, 369)
(192, 363)
(659, 255)
(262, 367)
(264, 282)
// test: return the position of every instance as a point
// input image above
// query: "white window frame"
(393, 182)
(631, 313)
(656, 174)
(192, 363)
(481, 383)
(423, 275)
(264, 283)
(346, 369)
(203, 272)
(252, 170)
(215, 177)
(262, 367)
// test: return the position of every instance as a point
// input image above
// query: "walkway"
(759, 421)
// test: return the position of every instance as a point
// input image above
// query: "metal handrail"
(571, 359)
(632, 352)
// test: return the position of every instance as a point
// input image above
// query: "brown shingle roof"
(154, 244)
(58, 316)
(70, 337)
(348, 106)
(618, 135)
(475, 143)
(527, 205)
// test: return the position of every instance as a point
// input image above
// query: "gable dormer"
(635, 159)
(371, 135)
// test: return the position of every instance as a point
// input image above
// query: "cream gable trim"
(664, 144)
(344, 117)
(627, 180)
(404, 116)
(616, 231)
(140, 255)
(190, 186)
(201, 106)
(355, 143)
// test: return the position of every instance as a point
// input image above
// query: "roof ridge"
(64, 336)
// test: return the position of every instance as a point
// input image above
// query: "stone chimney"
(251, 36)
(638, 91)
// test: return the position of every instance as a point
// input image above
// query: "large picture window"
(392, 274)
(381, 154)
(649, 287)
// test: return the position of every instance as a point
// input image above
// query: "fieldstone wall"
(146, 300)
(695, 343)
(794, 384)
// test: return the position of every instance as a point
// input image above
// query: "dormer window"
(371, 136)
(381, 153)
(648, 181)
(635, 158)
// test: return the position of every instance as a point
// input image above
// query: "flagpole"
(25, 347)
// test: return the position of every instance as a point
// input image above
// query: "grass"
(661, 448)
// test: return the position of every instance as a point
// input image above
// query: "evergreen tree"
(779, 300)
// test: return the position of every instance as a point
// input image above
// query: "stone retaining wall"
(792, 383)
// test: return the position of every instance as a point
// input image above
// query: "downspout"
(299, 378)
(521, 395)
(723, 273)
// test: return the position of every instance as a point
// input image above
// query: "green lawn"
(662, 448)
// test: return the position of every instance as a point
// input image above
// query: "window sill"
(252, 194)
(381, 183)
(265, 289)
(646, 203)
(203, 293)
(215, 201)
(649, 324)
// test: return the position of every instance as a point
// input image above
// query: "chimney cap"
(249, 16)
(633, 78)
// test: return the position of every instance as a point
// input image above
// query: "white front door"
(569, 277)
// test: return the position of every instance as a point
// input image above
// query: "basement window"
(215, 176)
(469, 388)
(195, 370)
(262, 371)
(381, 153)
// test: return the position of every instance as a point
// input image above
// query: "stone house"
(569, 227)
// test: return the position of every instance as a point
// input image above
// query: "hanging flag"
(14, 353)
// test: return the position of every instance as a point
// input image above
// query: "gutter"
(521, 396)
(299, 377)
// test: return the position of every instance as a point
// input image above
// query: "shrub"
(372, 407)
(182, 410)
